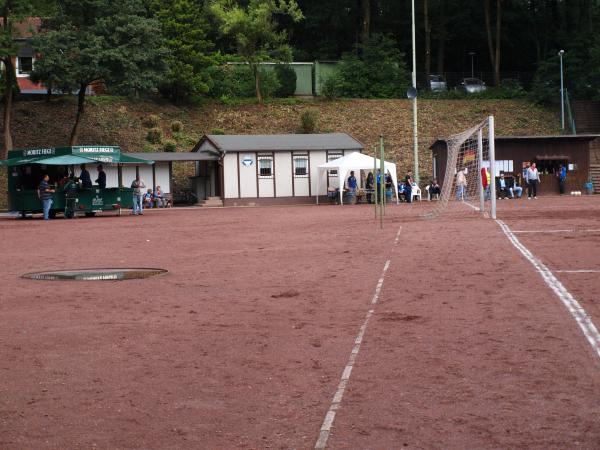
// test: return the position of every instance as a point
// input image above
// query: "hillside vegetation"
(126, 123)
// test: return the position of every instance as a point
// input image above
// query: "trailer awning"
(70, 160)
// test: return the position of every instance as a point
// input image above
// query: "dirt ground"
(242, 344)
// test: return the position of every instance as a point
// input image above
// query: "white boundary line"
(581, 317)
(345, 378)
(555, 231)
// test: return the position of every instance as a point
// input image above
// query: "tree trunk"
(9, 77)
(366, 20)
(488, 29)
(427, 41)
(498, 42)
(256, 73)
(80, 112)
(441, 50)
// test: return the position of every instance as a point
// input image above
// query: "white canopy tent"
(355, 161)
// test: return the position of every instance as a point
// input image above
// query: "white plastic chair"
(416, 192)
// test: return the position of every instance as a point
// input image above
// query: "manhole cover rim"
(96, 274)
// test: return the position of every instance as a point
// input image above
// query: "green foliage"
(151, 121)
(186, 31)
(176, 126)
(237, 81)
(218, 131)
(376, 70)
(154, 135)
(332, 86)
(308, 121)
(170, 146)
(286, 76)
(255, 30)
(110, 41)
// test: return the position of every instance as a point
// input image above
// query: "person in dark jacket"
(101, 180)
(85, 178)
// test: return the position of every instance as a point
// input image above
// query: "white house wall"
(162, 176)
(230, 169)
(247, 175)
(283, 175)
(128, 173)
(316, 159)
(266, 187)
(145, 175)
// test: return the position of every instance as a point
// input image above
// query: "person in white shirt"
(533, 180)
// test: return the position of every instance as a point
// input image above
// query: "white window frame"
(301, 157)
(265, 157)
(18, 67)
(332, 156)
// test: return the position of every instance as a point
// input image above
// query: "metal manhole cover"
(96, 274)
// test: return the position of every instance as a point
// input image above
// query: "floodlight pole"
(414, 100)
(562, 91)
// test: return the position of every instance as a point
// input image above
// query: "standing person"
(562, 178)
(138, 195)
(369, 185)
(533, 178)
(525, 179)
(101, 180)
(378, 196)
(352, 184)
(461, 185)
(408, 181)
(484, 182)
(46, 193)
(85, 178)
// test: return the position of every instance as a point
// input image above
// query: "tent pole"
(382, 180)
(375, 180)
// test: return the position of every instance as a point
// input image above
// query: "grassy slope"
(120, 122)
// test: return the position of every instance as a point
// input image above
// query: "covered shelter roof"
(277, 142)
(174, 156)
(562, 137)
(355, 161)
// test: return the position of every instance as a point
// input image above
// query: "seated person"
(434, 189)
(516, 188)
(159, 197)
(148, 199)
(503, 187)
(402, 192)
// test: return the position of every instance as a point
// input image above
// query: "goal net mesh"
(463, 188)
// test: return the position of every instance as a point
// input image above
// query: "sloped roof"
(173, 156)
(280, 142)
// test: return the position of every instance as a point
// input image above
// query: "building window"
(24, 66)
(265, 166)
(330, 157)
(505, 165)
(301, 165)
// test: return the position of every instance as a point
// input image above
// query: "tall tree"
(255, 31)
(109, 42)
(366, 20)
(12, 13)
(185, 28)
(494, 45)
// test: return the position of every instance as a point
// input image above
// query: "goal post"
(468, 183)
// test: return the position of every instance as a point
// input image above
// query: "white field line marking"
(345, 378)
(555, 231)
(581, 317)
(579, 271)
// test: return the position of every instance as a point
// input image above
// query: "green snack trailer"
(27, 167)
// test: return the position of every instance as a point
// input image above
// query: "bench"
(167, 200)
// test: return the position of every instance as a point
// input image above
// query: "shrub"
(308, 121)
(286, 76)
(217, 131)
(152, 121)
(238, 81)
(332, 86)
(176, 126)
(379, 72)
(170, 146)
(154, 135)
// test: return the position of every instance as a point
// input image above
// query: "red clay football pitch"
(305, 327)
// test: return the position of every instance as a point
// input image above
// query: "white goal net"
(467, 181)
